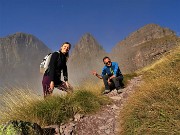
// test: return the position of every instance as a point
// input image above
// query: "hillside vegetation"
(25, 106)
(154, 108)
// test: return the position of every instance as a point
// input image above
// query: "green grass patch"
(52, 110)
(88, 102)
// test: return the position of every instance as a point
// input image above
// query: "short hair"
(106, 57)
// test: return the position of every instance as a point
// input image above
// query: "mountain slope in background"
(86, 56)
(20, 56)
(143, 46)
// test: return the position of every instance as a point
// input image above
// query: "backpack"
(45, 63)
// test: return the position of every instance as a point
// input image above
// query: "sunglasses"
(107, 63)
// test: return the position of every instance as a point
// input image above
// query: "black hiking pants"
(116, 82)
(46, 85)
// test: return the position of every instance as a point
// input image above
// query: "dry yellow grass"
(154, 108)
(14, 100)
(90, 85)
(22, 104)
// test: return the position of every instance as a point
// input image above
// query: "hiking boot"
(119, 91)
(106, 91)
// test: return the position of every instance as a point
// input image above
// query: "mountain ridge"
(137, 50)
(20, 55)
(134, 47)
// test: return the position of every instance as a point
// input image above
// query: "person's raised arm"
(96, 74)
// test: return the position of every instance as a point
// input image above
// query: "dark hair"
(106, 57)
(67, 54)
(68, 44)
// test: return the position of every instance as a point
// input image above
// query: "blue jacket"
(112, 70)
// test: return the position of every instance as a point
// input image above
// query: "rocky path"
(104, 122)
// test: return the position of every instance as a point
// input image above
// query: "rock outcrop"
(143, 46)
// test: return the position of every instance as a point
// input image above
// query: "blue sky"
(109, 21)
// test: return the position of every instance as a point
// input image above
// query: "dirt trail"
(106, 121)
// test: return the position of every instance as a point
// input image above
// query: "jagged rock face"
(20, 56)
(86, 56)
(143, 47)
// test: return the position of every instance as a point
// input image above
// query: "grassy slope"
(155, 107)
(20, 104)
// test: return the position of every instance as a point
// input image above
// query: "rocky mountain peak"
(143, 46)
(152, 31)
(23, 40)
(87, 45)
(146, 33)
(87, 38)
(86, 56)
(20, 56)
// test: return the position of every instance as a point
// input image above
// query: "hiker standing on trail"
(52, 76)
(111, 75)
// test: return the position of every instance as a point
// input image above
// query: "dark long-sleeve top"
(56, 65)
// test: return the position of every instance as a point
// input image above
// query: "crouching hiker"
(52, 76)
(111, 75)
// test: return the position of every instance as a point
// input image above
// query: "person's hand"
(67, 84)
(109, 81)
(112, 77)
(69, 87)
(94, 73)
(51, 88)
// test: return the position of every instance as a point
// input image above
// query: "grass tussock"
(25, 106)
(154, 108)
(14, 101)
(92, 86)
